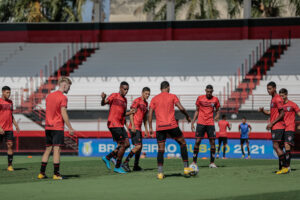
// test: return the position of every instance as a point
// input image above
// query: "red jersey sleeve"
(134, 104)
(111, 98)
(217, 104)
(198, 102)
(249, 126)
(296, 108)
(152, 104)
(64, 102)
(279, 103)
(176, 100)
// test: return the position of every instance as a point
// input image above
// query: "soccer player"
(115, 123)
(290, 110)
(135, 128)
(223, 125)
(7, 121)
(276, 124)
(56, 117)
(166, 125)
(206, 104)
(245, 129)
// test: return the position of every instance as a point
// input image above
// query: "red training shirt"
(117, 111)
(206, 109)
(290, 109)
(276, 106)
(163, 105)
(223, 124)
(6, 117)
(54, 102)
(142, 108)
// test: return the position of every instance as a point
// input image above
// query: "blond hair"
(64, 79)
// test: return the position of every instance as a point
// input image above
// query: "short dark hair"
(6, 88)
(164, 85)
(146, 89)
(223, 116)
(209, 87)
(283, 91)
(124, 83)
(244, 117)
(272, 84)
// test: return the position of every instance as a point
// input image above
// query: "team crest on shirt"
(212, 105)
(288, 108)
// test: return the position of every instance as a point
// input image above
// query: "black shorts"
(289, 137)
(55, 138)
(136, 138)
(8, 136)
(202, 129)
(278, 135)
(244, 140)
(174, 133)
(222, 139)
(118, 134)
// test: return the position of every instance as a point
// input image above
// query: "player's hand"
(188, 119)
(18, 129)
(261, 109)
(1, 131)
(151, 133)
(146, 134)
(216, 118)
(133, 129)
(103, 95)
(193, 127)
(269, 126)
(298, 127)
(72, 131)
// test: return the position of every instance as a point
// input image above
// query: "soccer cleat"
(249, 157)
(218, 156)
(243, 156)
(57, 177)
(187, 171)
(224, 158)
(10, 168)
(42, 176)
(284, 170)
(126, 167)
(212, 165)
(106, 161)
(120, 170)
(137, 168)
(114, 161)
(160, 176)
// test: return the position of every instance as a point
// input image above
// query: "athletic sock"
(224, 151)
(129, 157)
(43, 167)
(248, 151)
(282, 160)
(242, 148)
(195, 154)
(160, 169)
(184, 155)
(160, 159)
(10, 159)
(137, 158)
(212, 155)
(118, 164)
(288, 157)
(56, 169)
(113, 154)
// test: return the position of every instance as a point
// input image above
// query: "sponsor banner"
(259, 149)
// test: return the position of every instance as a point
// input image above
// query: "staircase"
(252, 78)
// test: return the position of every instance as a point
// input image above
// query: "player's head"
(6, 92)
(283, 93)
(271, 87)
(224, 117)
(209, 91)
(146, 93)
(124, 87)
(64, 84)
(244, 119)
(165, 85)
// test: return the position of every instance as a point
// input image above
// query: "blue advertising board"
(259, 149)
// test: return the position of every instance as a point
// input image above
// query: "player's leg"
(242, 148)
(220, 144)
(58, 142)
(277, 136)
(137, 142)
(248, 148)
(211, 133)
(224, 147)
(9, 138)
(288, 143)
(161, 137)
(136, 166)
(200, 131)
(46, 154)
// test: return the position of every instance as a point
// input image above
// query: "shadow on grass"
(71, 176)
(19, 169)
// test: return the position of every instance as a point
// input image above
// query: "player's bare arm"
(230, 126)
(1, 131)
(132, 123)
(280, 117)
(104, 101)
(217, 117)
(262, 110)
(194, 119)
(182, 109)
(16, 125)
(150, 117)
(65, 117)
(131, 112)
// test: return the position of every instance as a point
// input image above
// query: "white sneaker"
(289, 169)
(212, 165)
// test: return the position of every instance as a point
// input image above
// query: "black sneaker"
(137, 168)
(126, 167)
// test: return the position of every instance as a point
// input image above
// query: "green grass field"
(89, 179)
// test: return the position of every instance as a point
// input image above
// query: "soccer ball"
(195, 169)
